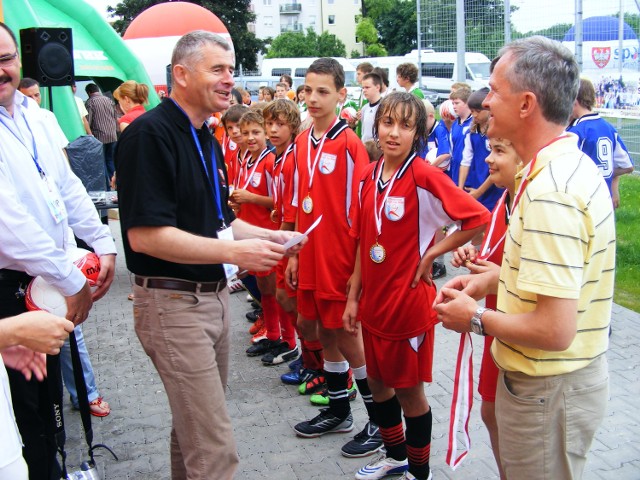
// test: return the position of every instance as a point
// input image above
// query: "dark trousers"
(31, 404)
(109, 164)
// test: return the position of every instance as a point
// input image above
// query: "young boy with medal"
(402, 202)
(252, 199)
(330, 159)
(503, 163)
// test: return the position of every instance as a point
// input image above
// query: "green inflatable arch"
(100, 55)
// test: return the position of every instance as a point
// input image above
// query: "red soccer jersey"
(283, 186)
(422, 199)
(326, 261)
(230, 151)
(255, 176)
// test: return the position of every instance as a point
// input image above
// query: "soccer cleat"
(279, 353)
(321, 398)
(296, 365)
(381, 466)
(367, 442)
(261, 347)
(297, 376)
(253, 315)
(325, 422)
(257, 326)
(260, 335)
(312, 385)
(438, 270)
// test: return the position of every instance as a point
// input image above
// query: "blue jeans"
(87, 369)
(109, 150)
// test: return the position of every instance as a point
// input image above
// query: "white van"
(297, 69)
(440, 70)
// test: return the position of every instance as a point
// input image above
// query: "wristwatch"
(476, 321)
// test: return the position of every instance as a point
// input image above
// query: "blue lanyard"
(34, 155)
(215, 183)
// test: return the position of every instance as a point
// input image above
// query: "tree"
(397, 26)
(234, 14)
(298, 44)
(366, 32)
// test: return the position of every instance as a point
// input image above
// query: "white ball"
(432, 155)
(40, 295)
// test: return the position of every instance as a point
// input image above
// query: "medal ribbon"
(249, 174)
(377, 211)
(461, 403)
(312, 168)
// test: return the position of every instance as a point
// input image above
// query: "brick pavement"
(264, 410)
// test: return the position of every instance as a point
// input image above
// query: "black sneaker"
(367, 442)
(326, 422)
(281, 352)
(438, 270)
(253, 315)
(261, 347)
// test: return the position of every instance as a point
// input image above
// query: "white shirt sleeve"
(467, 153)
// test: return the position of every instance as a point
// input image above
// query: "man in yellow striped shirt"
(555, 285)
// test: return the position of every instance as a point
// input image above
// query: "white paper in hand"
(297, 239)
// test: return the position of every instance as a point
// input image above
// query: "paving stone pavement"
(263, 410)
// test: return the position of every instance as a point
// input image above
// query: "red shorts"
(280, 280)
(488, 381)
(262, 274)
(329, 312)
(384, 358)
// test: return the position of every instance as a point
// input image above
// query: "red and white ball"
(348, 114)
(88, 263)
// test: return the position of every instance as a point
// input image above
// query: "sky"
(531, 14)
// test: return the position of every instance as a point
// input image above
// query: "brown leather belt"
(180, 285)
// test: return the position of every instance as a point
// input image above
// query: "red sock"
(271, 320)
(287, 326)
(312, 356)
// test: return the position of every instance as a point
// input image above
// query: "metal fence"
(603, 35)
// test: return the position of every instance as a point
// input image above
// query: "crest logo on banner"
(601, 56)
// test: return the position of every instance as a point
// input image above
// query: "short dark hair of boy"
(285, 110)
(91, 88)
(405, 108)
(286, 79)
(329, 66)
(462, 93)
(586, 94)
(409, 71)
(282, 85)
(364, 67)
(374, 77)
(383, 74)
(27, 82)
(233, 114)
(474, 102)
(252, 116)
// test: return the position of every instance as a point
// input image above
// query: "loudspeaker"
(47, 55)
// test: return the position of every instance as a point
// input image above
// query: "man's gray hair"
(188, 50)
(549, 70)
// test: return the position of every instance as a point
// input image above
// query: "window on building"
(268, 21)
(278, 72)
(266, 2)
(331, 2)
(332, 20)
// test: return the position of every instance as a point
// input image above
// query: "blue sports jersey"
(458, 132)
(600, 141)
(479, 170)
(439, 138)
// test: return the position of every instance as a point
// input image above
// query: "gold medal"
(274, 216)
(307, 204)
(377, 253)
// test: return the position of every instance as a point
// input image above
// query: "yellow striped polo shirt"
(560, 243)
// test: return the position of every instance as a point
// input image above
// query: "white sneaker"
(382, 466)
(409, 476)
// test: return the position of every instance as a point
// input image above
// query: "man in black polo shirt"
(178, 235)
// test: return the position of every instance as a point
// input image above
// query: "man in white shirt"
(41, 199)
(371, 85)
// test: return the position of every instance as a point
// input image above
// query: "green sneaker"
(312, 384)
(322, 397)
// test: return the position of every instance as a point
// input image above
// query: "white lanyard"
(249, 175)
(377, 212)
(312, 168)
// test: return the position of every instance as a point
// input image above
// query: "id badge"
(53, 199)
(229, 270)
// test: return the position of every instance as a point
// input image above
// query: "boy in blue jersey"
(598, 139)
(459, 129)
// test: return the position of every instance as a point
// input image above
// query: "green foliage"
(366, 31)
(397, 26)
(355, 54)
(376, 50)
(234, 14)
(309, 44)
(627, 292)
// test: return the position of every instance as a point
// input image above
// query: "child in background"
(503, 162)
(252, 200)
(268, 94)
(402, 202)
(459, 129)
(330, 158)
(474, 172)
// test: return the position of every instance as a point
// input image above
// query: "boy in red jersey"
(403, 201)
(282, 118)
(252, 199)
(232, 143)
(330, 158)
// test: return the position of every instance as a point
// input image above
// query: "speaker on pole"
(47, 55)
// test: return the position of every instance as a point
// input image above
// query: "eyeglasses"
(8, 60)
